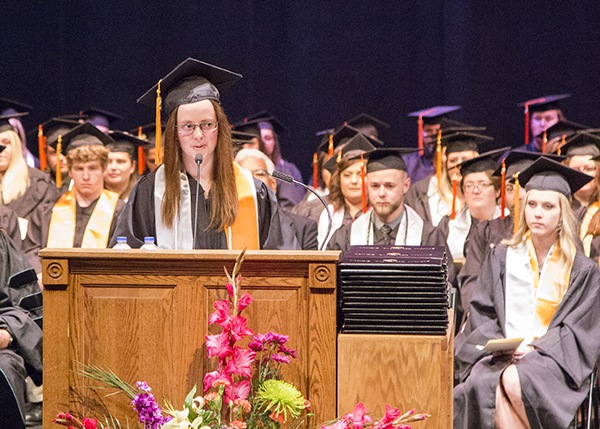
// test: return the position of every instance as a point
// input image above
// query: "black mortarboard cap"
(434, 115)
(354, 146)
(387, 158)
(97, 116)
(125, 142)
(5, 124)
(85, 134)
(364, 119)
(485, 161)
(542, 104)
(562, 128)
(189, 82)
(240, 137)
(263, 120)
(518, 160)
(459, 141)
(2, 147)
(547, 175)
(52, 128)
(8, 106)
(581, 143)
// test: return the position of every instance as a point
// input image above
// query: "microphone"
(289, 179)
(199, 158)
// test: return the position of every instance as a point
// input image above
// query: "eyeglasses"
(260, 174)
(205, 127)
(482, 186)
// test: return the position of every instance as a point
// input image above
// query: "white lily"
(198, 403)
(180, 421)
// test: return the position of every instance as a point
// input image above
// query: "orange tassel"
(140, 133)
(526, 123)
(516, 209)
(42, 147)
(58, 174)
(454, 180)
(544, 141)
(364, 187)
(141, 160)
(315, 171)
(330, 148)
(339, 156)
(503, 190)
(564, 137)
(421, 135)
(438, 161)
(158, 158)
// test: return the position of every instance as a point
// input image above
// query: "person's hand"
(512, 355)
(4, 338)
(520, 352)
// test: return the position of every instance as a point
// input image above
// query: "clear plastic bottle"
(121, 244)
(149, 244)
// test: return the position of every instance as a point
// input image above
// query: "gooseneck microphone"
(199, 158)
(289, 179)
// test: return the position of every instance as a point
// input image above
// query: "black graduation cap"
(2, 147)
(8, 106)
(240, 138)
(387, 158)
(126, 142)
(85, 134)
(459, 141)
(262, 120)
(542, 104)
(5, 124)
(52, 128)
(189, 82)
(434, 115)
(97, 116)
(518, 160)
(358, 144)
(547, 175)
(581, 143)
(563, 128)
(344, 134)
(148, 130)
(485, 161)
(365, 120)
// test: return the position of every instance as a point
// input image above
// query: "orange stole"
(62, 223)
(244, 231)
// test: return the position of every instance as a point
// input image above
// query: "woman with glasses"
(232, 210)
(537, 296)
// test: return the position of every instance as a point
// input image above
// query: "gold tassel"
(158, 143)
(339, 156)
(438, 161)
(58, 173)
(516, 209)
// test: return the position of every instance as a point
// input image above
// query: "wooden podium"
(144, 315)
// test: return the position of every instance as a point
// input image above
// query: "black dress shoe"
(34, 416)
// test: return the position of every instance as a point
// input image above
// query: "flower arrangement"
(244, 392)
(360, 419)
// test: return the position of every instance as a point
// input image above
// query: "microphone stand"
(199, 158)
(289, 179)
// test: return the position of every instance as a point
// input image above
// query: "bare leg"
(510, 410)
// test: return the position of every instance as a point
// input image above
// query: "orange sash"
(62, 223)
(244, 231)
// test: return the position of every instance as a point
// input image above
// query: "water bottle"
(122, 244)
(149, 244)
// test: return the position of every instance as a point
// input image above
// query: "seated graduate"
(20, 335)
(147, 133)
(347, 193)
(433, 196)
(540, 114)
(9, 222)
(234, 209)
(536, 286)
(85, 216)
(261, 167)
(122, 170)
(481, 192)
(22, 188)
(390, 221)
(489, 233)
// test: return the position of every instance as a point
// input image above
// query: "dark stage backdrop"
(312, 64)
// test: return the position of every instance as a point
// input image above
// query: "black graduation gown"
(9, 222)
(418, 200)
(39, 229)
(24, 357)
(555, 376)
(305, 230)
(311, 209)
(137, 220)
(40, 191)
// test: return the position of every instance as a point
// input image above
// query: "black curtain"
(312, 64)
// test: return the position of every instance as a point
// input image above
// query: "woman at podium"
(540, 288)
(228, 208)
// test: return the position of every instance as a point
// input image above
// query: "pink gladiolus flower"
(229, 287)
(388, 419)
(222, 315)
(238, 391)
(359, 416)
(241, 362)
(404, 427)
(218, 345)
(89, 423)
(239, 329)
(340, 424)
(245, 301)
(211, 377)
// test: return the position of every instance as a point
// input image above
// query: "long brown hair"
(223, 192)
(336, 197)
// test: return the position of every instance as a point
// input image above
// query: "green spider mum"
(281, 398)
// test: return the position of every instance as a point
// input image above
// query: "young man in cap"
(122, 169)
(540, 114)
(86, 216)
(261, 168)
